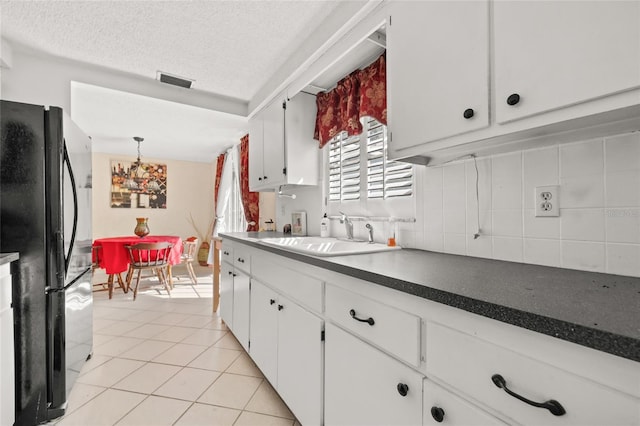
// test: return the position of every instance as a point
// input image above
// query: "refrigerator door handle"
(75, 208)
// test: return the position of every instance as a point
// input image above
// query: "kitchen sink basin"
(319, 246)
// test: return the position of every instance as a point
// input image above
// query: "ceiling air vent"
(174, 79)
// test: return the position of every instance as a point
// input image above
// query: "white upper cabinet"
(282, 150)
(532, 72)
(438, 81)
(554, 54)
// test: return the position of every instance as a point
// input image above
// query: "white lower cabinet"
(286, 344)
(264, 330)
(235, 282)
(444, 407)
(389, 358)
(364, 386)
(226, 294)
(241, 297)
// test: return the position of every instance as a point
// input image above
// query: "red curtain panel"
(249, 199)
(219, 165)
(361, 93)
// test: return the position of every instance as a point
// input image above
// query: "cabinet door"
(264, 330)
(241, 303)
(300, 361)
(441, 406)
(559, 53)
(226, 294)
(256, 141)
(301, 150)
(273, 149)
(362, 384)
(437, 68)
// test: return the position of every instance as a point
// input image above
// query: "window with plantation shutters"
(344, 167)
(358, 167)
(385, 178)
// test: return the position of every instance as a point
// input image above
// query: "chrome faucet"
(370, 229)
(348, 225)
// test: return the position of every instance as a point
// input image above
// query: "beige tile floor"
(163, 360)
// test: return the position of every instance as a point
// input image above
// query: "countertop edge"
(612, 343)
(8, 257)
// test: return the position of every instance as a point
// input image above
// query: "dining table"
(114, 257)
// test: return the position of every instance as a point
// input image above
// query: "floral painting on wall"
(138, 185)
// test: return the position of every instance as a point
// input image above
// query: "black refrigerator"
(45, 216)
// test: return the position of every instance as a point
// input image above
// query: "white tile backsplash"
(623, 259)
(623, 188)
(622, 225)
(540, 169)
(481, 246)
(583, 255)
(582, 191)
(454, 221)
(599, 224)
(622, 152)
(454, 188)
(582, 224)
(542, 252)
(540, 227)
(455, 243)
(580, 159)
(507, 223)
(506, 181)
(505, 248)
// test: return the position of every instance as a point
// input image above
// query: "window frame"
(403, 206)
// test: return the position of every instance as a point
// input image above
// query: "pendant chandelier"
(138, 179)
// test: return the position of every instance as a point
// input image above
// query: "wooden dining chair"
(96, 255)
(149, 256)
(189, 247)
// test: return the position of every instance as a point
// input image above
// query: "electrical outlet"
(547, 201)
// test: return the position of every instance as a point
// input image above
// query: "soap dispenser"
(325, 226)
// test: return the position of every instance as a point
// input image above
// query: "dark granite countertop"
(596, 310)
(8, 257)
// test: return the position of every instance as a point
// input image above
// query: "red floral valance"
(361, 93)
(250, 200)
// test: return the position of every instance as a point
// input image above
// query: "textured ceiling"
(229, 48)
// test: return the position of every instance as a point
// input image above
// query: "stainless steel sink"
(319, 246)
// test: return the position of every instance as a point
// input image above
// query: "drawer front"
(393, 330)
(299, 287)
(242, 259)
(443, 407)
(468, 364)
(226, 253)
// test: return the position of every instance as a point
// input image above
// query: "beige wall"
(189, 191)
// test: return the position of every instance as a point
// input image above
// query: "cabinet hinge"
(284, 104)
(284, 171)
(249, 344)
(322, 336)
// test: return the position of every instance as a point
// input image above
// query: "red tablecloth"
(114, 258)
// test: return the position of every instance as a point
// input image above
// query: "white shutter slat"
(384, 179)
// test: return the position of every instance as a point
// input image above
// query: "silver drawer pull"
(552, 405)
(369, 320)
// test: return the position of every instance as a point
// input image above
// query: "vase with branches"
(203, 250)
